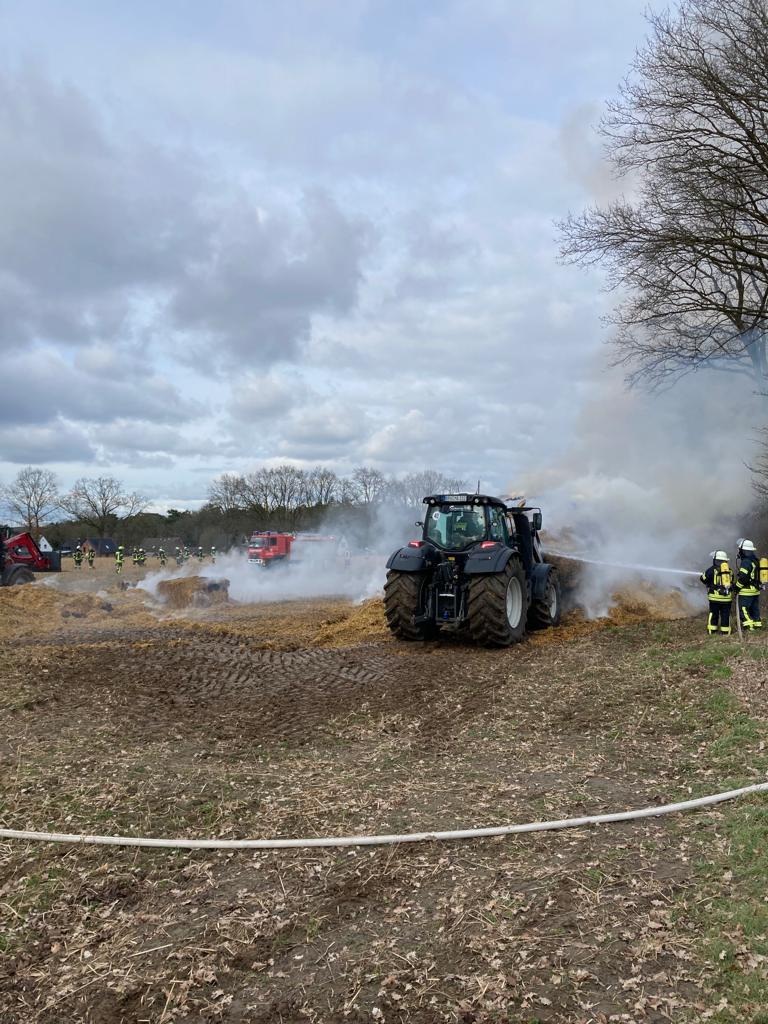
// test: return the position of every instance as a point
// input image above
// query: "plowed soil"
(306, 719)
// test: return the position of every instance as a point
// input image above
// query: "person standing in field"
(91, 556)
(77, 557)
(748, 586)
(213, 554)
(119, 560)
(718, 580)
(161, 556)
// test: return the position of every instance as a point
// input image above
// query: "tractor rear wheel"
(497, 606)
(403, 601)
(545, 611)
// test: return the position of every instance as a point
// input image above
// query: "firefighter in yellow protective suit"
(748, 586)
(119, 555)
(77, 557)
(91, 556)
(718, 580)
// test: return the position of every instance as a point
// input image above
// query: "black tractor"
(478, 569)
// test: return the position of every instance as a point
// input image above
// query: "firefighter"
(119, 554)
(91, 556)
(141, 557)
(200, 554)
(213, 554)
(718, 580)
(179, 558)
(748, 586)
(161, 556)
(135, 555)
(77, 557)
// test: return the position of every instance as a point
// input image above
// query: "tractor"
(21, 559)
(478, 570)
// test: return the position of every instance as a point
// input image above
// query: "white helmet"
(746, 545)
(718, 556)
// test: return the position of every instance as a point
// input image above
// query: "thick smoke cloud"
(659, 480)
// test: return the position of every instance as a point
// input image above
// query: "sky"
(317, 232)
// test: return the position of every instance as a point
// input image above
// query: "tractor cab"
(458, 522)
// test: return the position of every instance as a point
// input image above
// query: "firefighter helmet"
(746, 545)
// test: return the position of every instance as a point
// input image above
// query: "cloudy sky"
(319, 231)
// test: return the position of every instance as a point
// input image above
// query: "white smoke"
(655, 480)
(352, 566)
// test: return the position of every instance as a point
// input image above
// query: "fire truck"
(268, 547)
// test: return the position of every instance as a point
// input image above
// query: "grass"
(729, 906)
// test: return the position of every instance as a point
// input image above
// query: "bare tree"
(412, 489)
(689, 248)
(370, 483)
(227, 493)
(32, 497)
(321, 486)
(100, 501)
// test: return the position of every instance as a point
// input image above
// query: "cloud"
(49, 386)
(88, 222)
(55, 443)
(260, 396)
(298, 234)
(112, 239)
(585, 160)
(252, 295)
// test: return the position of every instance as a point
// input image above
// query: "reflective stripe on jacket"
(747, 580)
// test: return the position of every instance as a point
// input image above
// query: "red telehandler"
(21, 558)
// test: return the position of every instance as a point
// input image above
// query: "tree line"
(280, 498)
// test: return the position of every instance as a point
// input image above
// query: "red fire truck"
(267, 547)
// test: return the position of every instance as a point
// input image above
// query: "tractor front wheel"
(497, 606)
(17, 575)
(545, 611)
(403, 601)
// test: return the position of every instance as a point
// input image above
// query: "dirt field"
(306, 719)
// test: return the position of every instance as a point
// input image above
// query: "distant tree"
(414, 487)
(227, 492)
(32, 497)
(100, 501)
(322, 486)
(370, 483)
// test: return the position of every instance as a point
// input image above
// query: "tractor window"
(498, 526)
(455, 526)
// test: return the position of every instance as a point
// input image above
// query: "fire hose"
(384, 840)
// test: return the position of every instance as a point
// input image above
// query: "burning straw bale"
(193, 592)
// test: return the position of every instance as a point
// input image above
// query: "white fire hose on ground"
(384, 840)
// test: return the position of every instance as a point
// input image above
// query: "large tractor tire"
(498, 605)
(402, 602)
(545, 611)
(16, 575)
